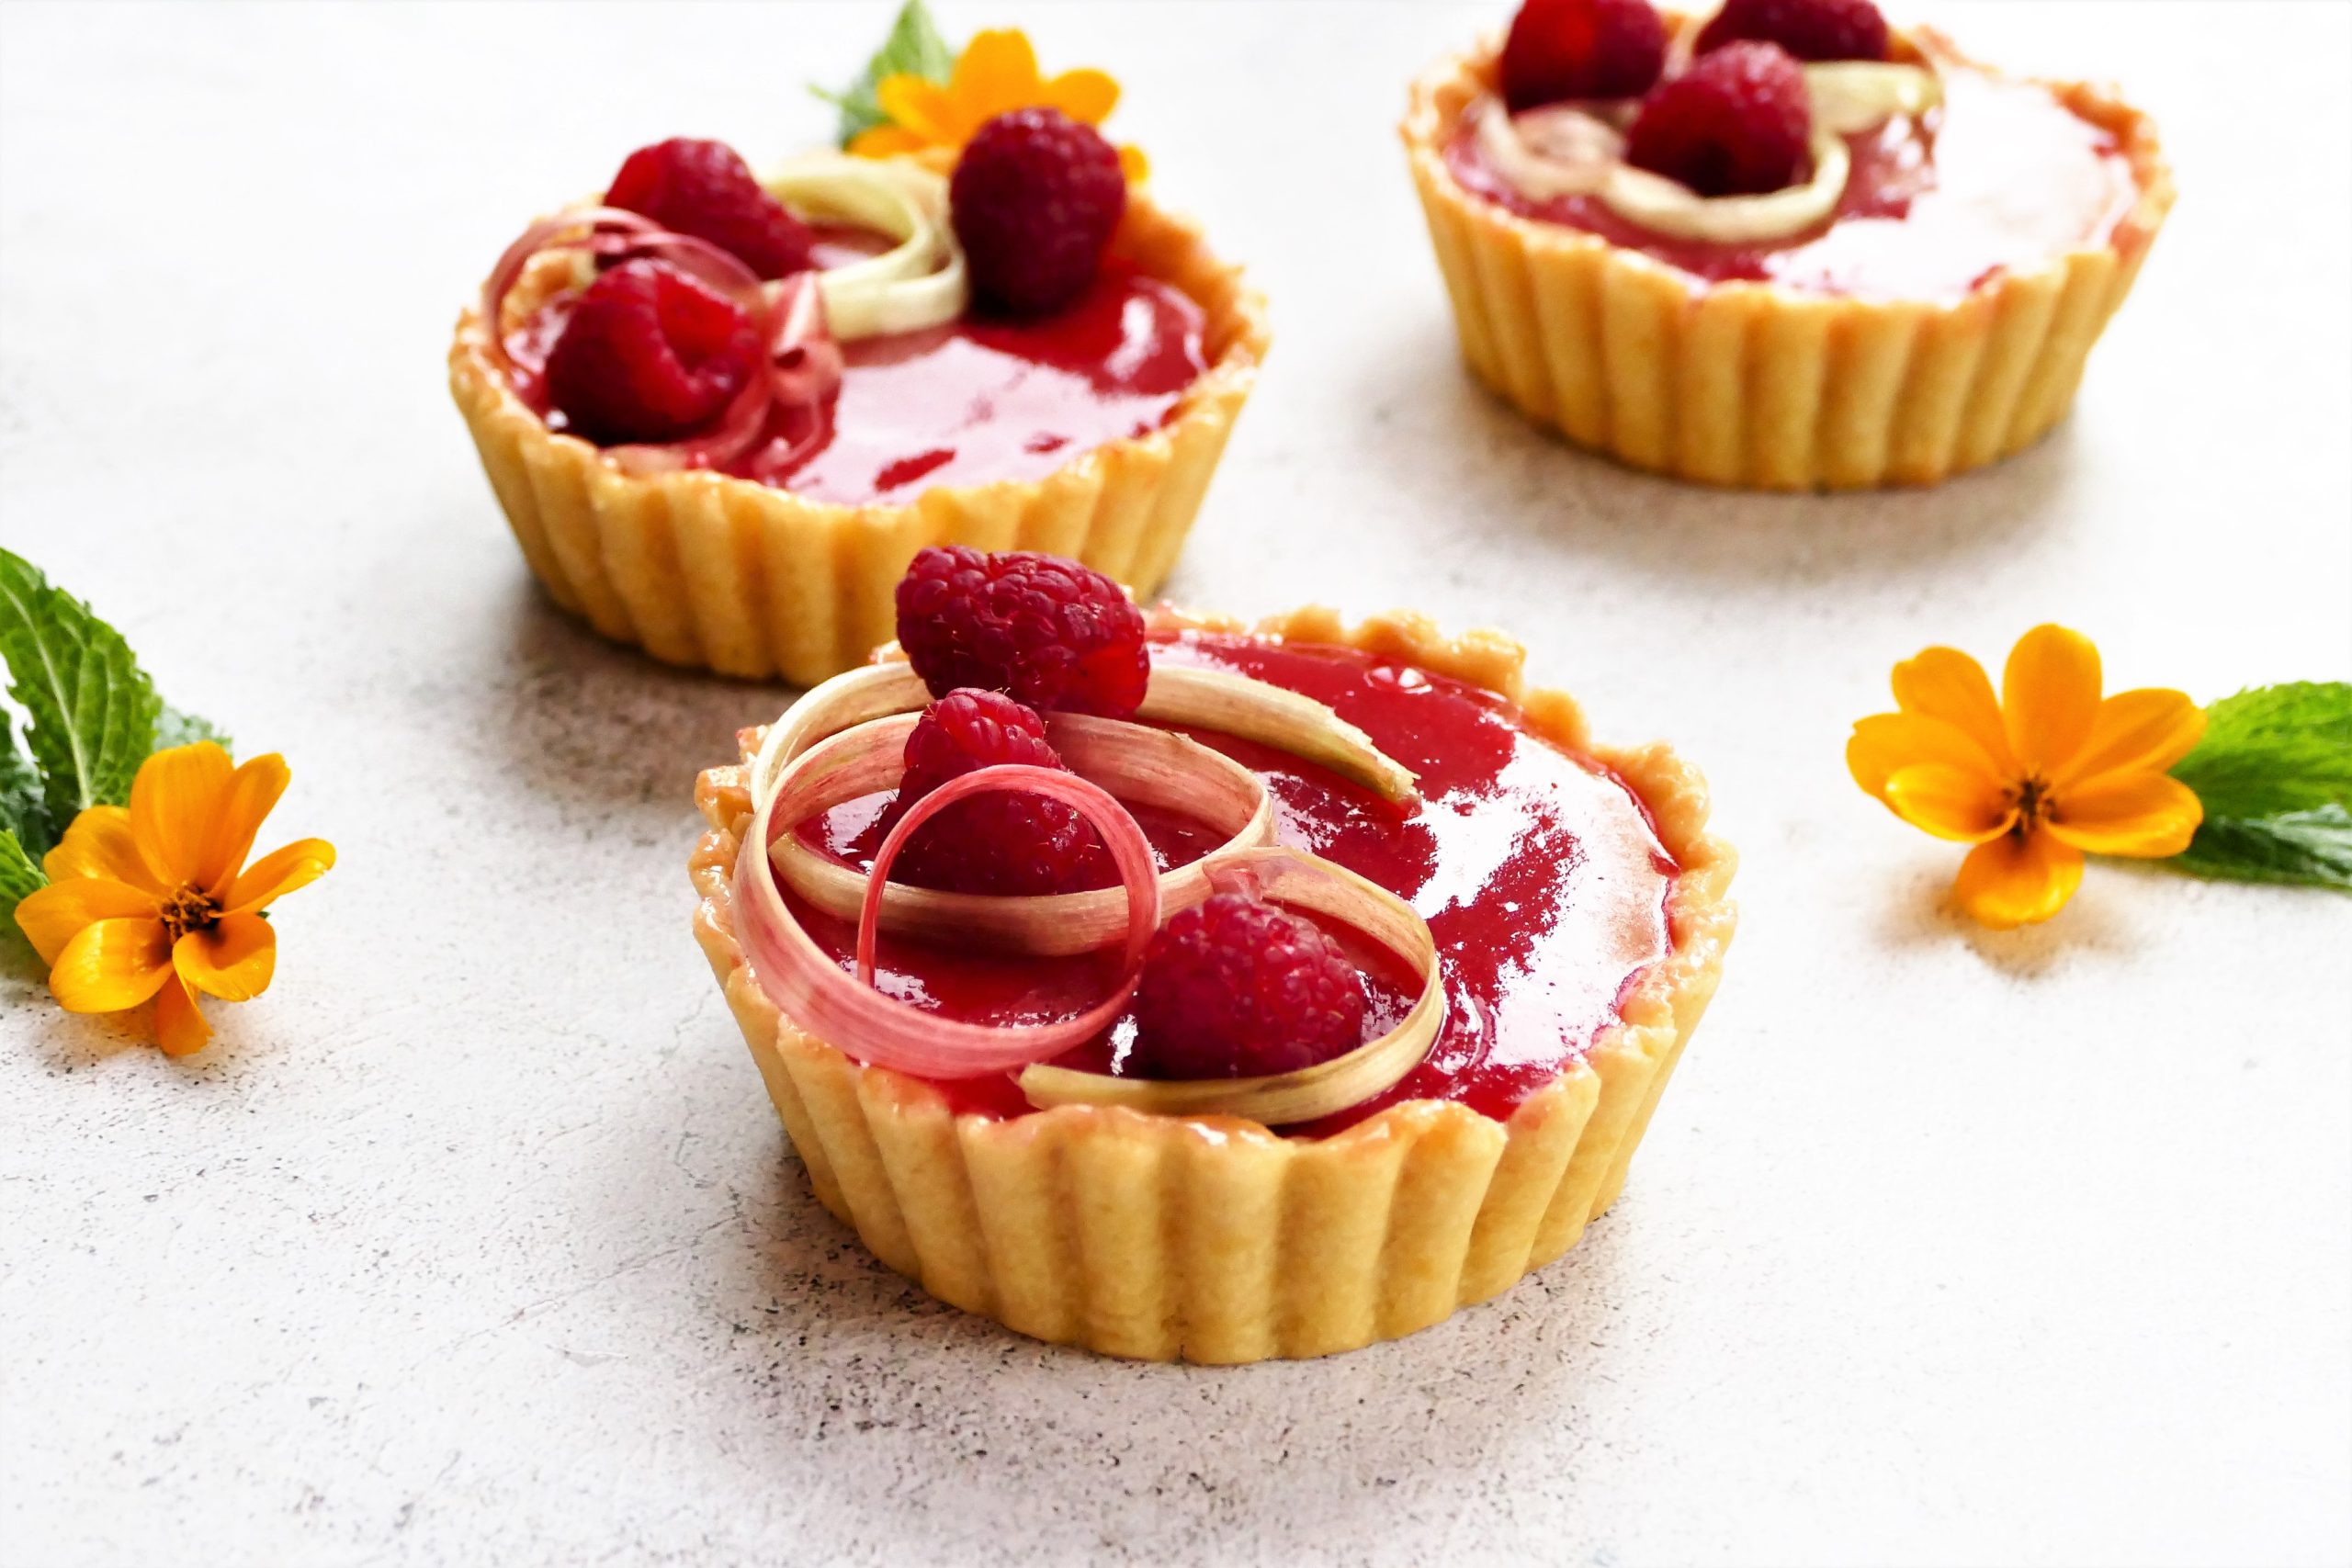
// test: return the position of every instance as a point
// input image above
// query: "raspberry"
(648, 353)
(1002, 842)
(1053, 633)
(1810, 29)
(1581, 49)
(1235, 988)
(1035, 197)
(1737, 123)
(705, 189)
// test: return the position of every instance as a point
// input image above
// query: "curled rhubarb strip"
(1273, 715)
(1204, 699)
(1556, 150)
(1286, 876)
(811, 989)
(1668, 206)
(1853, 95)
(609, 235)
(802, 362)
(1143, 765)
(918, 283)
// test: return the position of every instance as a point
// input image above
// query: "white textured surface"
(474, 1240)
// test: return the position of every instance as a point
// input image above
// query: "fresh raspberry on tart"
(1037, 198)
(1809, 29)
(1050, 632)
(1737, 123)
(962, 325)
(705, 189)
(1235, 988)
(1007, 843)
(1560, 50)
(648, 353)
(1708, 267)
(1376, 925)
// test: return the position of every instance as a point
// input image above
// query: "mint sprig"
(2274, 772)
(914, 48)
(91, 708)
(90, 718)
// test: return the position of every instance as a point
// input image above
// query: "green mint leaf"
(19, 876)
(2311, 848)
(24, 813)
(2274, 749)
(91, 708)
(2274, 772)
(174, 727)
(914, 48)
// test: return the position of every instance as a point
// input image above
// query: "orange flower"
(996, 74)
(156, 900)
(2034, 779)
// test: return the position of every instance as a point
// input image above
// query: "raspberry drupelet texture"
(1236, 988)
(1003, 843)
(648, 353)
(1737, 123)
(1581, 49)
(1034, 199)
(705, 189)
(1052, 633)
(1810, 29)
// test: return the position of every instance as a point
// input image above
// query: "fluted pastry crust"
(704, 570)
(1755, 385)
(1210, 1238)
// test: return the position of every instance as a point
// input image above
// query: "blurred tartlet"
(1784, 247)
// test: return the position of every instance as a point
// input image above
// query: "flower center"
(2033, 802)
(189, 909)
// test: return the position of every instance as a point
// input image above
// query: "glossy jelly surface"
(1540, 874)
(2000, 177)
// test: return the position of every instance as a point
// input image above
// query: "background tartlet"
(1210, 1238)
(704, 570)
(1755, 384)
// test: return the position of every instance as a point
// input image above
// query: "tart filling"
(822, 332)
(1996, 174)
(1540, 877)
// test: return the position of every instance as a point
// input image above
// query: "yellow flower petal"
(1964, 804)
(1133, 164)
(278, 872)
(232, 958)
(2148, 814)
(99, 844)
(921, 106)
(251, 794)
(2146, 730)
(998, 72)
(111, 965)
(1088, 96)
(54, 916)
(2050, 697)
(2017, 879)
(1885, 743)
(886, 141)
(175, 802)
(1945, 683)
(180, 1022)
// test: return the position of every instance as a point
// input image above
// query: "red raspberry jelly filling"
(1540, 874)
(2001, 176)
(980, 400)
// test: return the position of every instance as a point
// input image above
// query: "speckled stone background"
(474, 1241)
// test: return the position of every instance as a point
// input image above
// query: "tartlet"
(751, 578)
(1756, 377)
(1139, 1233)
